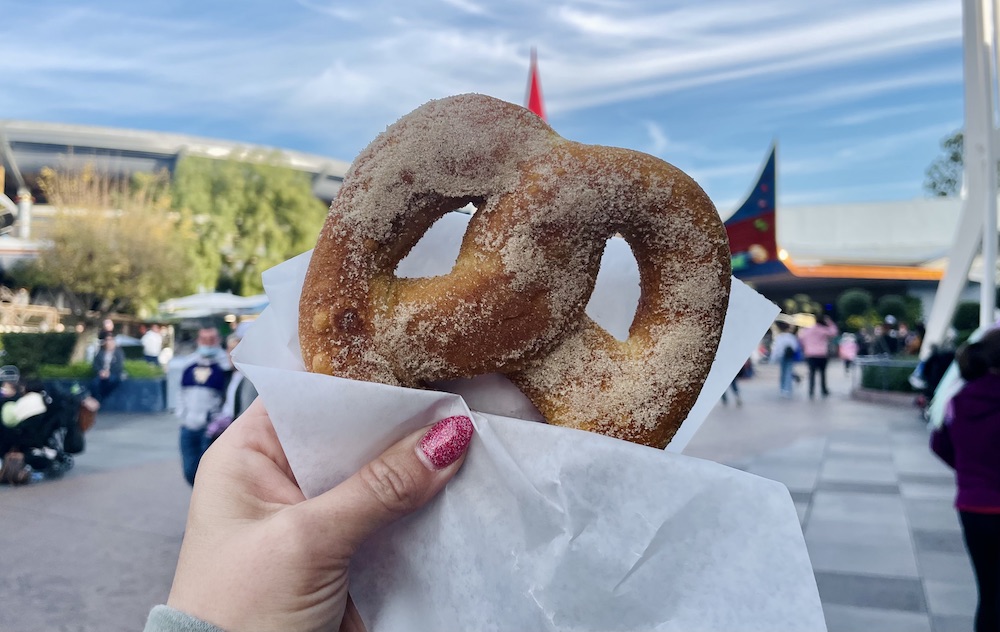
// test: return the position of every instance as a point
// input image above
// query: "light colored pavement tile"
(880, 509)
(809, 450)
(855, 470)
(854, 619)
(955, 568)
(927, 491)
(896, 560)
(864, 449)
(918, 462)
(931, 514)
(852, 532)
(797, 478)
(946, 598)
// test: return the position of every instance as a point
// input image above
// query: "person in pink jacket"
(815, 349)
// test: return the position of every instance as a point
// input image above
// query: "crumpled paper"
(543, 528)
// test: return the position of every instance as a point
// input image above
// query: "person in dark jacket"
(969, 441)
(109, 368)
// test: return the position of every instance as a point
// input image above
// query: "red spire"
(535, 88)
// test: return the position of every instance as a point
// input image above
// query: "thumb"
(403, 479)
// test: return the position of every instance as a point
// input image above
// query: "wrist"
(165, 618)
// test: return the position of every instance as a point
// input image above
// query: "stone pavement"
(875, 504)
(96, 549)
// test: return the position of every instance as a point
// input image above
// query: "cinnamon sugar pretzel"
(514, 301)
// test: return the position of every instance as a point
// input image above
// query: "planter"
(133, 395)
(886, 374)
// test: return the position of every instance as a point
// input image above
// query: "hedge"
(887, 378)
(28, 352)
(135, 369)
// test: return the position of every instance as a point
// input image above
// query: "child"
(848, 351)
(969, 441)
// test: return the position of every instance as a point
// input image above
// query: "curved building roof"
(27, 146)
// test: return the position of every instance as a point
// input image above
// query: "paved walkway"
(95, 550)
(875, 504)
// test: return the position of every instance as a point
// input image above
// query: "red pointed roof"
(535, 89)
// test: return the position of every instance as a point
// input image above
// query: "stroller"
(40, 430)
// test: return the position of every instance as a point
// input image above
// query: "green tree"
(249, 213)
(944, 176)
(854, 307)
(113, 245)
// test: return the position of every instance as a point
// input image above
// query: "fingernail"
(445, 442)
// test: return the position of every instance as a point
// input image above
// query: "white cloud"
(468, 7)
(657, 138)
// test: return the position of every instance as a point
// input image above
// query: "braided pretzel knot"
(514, 301)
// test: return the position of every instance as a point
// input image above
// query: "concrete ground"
(96, 549)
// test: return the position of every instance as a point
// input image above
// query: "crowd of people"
(819, 342)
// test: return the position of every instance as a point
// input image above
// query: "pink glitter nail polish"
(446, 441)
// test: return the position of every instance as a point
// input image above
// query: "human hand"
(258, 556)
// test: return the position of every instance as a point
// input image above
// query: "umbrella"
(211, 303)
(798, 320)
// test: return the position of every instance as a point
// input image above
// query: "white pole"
(977, 58)
(988, 289)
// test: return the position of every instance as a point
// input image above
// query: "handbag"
(87, 414)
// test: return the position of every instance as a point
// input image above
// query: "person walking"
(816, 350)
(240, 393)
(847, 349)
(784, 350)
(202, 393)
(969, 442)
(152, 344)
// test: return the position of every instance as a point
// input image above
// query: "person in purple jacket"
(969, 441)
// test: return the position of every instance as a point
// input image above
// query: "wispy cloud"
(870, 115)
(861, 89)
(467, 6)
(657, 138)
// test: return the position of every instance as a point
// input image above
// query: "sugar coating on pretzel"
(514, 301)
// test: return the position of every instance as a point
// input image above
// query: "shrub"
(76, 370)
(853, 308)
(966, 318)
(887, 378)
(28, 352)
(855, 302)
(892, 305)
(135, 369)
(140, 369)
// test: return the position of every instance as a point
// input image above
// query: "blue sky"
(858, 94)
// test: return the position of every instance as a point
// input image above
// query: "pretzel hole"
(437, 250)
(616, 292)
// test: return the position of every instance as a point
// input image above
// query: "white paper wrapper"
(544, 528)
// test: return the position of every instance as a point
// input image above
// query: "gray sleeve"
(166, 619)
